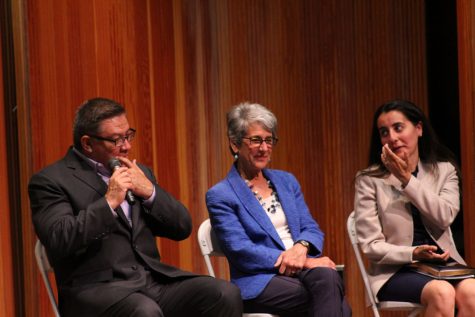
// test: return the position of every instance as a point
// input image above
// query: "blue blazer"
(246, 234)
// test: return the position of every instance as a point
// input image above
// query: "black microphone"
(115, 164)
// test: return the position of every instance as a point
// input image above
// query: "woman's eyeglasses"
(257, 140)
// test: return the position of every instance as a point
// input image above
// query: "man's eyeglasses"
(118, 142)
(257, 140)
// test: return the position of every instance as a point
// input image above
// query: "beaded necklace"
(274, 201)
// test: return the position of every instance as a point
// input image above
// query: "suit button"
(135, 246)
(134, 267)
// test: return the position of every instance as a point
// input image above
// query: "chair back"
(376, 305)
(45, 268)
(209, 246)
(359, 259)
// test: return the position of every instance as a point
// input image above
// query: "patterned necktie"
(125, 206)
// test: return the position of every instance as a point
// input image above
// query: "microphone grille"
(114, 163)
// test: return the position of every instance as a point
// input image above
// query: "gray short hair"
(241, 116)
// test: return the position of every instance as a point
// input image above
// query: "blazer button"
(134, 267)
(135, 246)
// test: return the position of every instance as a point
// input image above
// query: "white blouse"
(279, 221)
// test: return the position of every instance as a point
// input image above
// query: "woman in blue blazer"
(264, 227)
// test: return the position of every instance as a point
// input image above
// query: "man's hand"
(292, 260)
(119, 183)
(140, 185)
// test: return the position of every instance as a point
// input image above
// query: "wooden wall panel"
(466, 45)
(168, 109)
(178, 66)
(6, 277)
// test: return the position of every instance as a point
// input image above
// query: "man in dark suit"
(102, 246)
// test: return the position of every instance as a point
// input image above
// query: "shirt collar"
(99, 168)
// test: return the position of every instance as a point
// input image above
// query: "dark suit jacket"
(97, 257)
(247, 236)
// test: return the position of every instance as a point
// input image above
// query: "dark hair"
(431, 150)
(89, 116)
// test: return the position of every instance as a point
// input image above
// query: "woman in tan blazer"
(405, 202)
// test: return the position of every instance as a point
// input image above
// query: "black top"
(421, 236)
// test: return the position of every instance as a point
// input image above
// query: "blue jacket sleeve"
(248, 253)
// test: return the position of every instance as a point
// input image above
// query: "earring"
(235, 156)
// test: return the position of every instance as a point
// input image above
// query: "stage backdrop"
(178, 66)
(6, 267)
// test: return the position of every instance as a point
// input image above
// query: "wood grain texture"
(466, 49)
(322, 67)
(6, 277)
